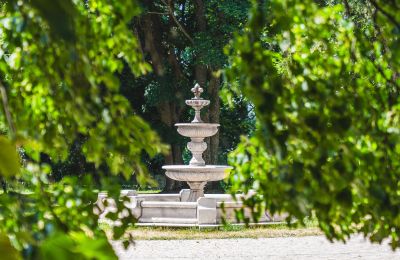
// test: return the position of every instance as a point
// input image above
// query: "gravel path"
(311, 247)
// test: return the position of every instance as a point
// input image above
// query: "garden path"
(309, 247)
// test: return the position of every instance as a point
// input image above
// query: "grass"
(230, 231)
(222, 232)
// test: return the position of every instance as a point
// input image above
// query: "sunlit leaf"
(9, 159)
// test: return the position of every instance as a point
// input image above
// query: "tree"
(59, 62)
(324, 79)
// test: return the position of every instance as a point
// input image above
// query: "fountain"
(197, 173)
(191, 207)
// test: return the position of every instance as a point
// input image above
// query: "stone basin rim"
(197, 124)
(197, 167)
(197, 176)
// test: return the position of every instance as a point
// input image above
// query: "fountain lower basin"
(197, 176)
(197, 173)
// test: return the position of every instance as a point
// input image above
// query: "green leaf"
(76, 245)
(58, 246)
(9, 159)
(8, 252)
(93, 248)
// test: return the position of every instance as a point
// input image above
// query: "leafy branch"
(171, 13)
(385, 13)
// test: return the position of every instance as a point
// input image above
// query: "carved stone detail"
(197, 146)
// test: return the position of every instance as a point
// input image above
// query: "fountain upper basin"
(197, 102)
(193, 173)
(197, 130)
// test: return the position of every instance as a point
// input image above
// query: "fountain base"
(180, 210)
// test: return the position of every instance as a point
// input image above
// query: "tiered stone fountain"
(197, 173)
(189, 207)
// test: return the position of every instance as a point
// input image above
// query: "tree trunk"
(200, 14)
(168, 111)
(202, 75)
(213, 116)
(168, 116)
(152, 44)
(200, 70)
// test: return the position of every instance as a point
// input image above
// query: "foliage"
(59, 62)
(235, 120)
(324, 79)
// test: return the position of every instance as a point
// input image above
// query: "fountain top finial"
(197, 103)
(197, 90)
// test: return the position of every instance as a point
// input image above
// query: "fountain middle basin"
(197, 130)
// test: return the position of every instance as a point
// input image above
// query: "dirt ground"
(308, 247)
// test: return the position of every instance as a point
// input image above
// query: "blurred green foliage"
(59, 65)
(324, 79)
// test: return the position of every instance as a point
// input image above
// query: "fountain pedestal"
(196, 189)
